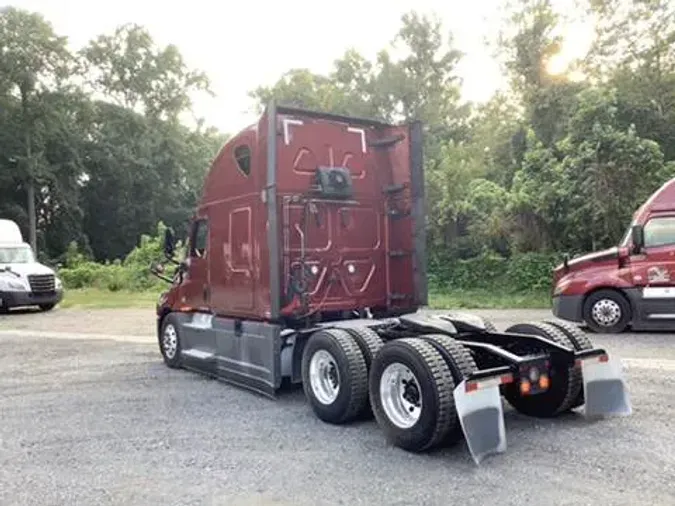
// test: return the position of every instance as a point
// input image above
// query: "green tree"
(634, 49)
(128, 67)
(34, 62)
(527, 43)
(142, 165)
(611, 170)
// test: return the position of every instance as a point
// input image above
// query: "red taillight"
(600, 358)
(471, 387)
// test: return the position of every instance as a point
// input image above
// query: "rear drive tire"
(411, 394)
(169, 341)
(334, 376)
(461, 364)
(607, 311)
(565, 383)
(370, 344)
(580, 341)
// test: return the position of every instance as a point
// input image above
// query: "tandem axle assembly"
(428, 380)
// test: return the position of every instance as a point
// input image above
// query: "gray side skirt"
(244, 353)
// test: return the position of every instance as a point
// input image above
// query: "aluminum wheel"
(170, 341)
(324, 377)
(400, 395)
(606, 312)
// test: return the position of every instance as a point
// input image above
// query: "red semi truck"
(306, 262)
(632, 284)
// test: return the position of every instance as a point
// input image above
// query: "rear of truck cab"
(309, 213)
(632, 284)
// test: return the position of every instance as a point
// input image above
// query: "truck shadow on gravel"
(519, 428)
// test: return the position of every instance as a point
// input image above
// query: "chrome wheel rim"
(324, 377)
(170, 341)
(606, 312)
(400, 395)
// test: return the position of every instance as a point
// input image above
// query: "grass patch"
(455, 299)
(95, 298)
(489, 299)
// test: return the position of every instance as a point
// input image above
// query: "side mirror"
(638, 238)
(169, 243)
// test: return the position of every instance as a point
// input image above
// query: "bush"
(531, 271)
(519, 273)
(132, 274)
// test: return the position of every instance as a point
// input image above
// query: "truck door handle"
(206, 292)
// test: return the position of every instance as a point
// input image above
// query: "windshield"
(16, 255)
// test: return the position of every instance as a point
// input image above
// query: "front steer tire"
(432, 383)
(170, 342)
(565, 382)
(614, 302)
(336, 383)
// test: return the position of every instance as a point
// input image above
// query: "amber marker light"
(524, 387)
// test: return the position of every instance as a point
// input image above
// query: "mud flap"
(605, 390)
(481, 416)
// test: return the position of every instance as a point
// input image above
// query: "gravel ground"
(90, 415)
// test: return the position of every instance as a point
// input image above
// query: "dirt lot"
(90, 415)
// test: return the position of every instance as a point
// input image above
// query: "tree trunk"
(30, 166)
(31, 215)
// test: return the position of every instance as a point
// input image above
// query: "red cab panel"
(318, 217)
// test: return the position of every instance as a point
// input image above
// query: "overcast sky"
(251, 43)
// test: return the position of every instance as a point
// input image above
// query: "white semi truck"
(24, 281)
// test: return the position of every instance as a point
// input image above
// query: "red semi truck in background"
(629, 285)
(306, 262)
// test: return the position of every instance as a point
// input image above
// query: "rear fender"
(465, 322)
(429, 323)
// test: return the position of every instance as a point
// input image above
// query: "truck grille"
(42, 283)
